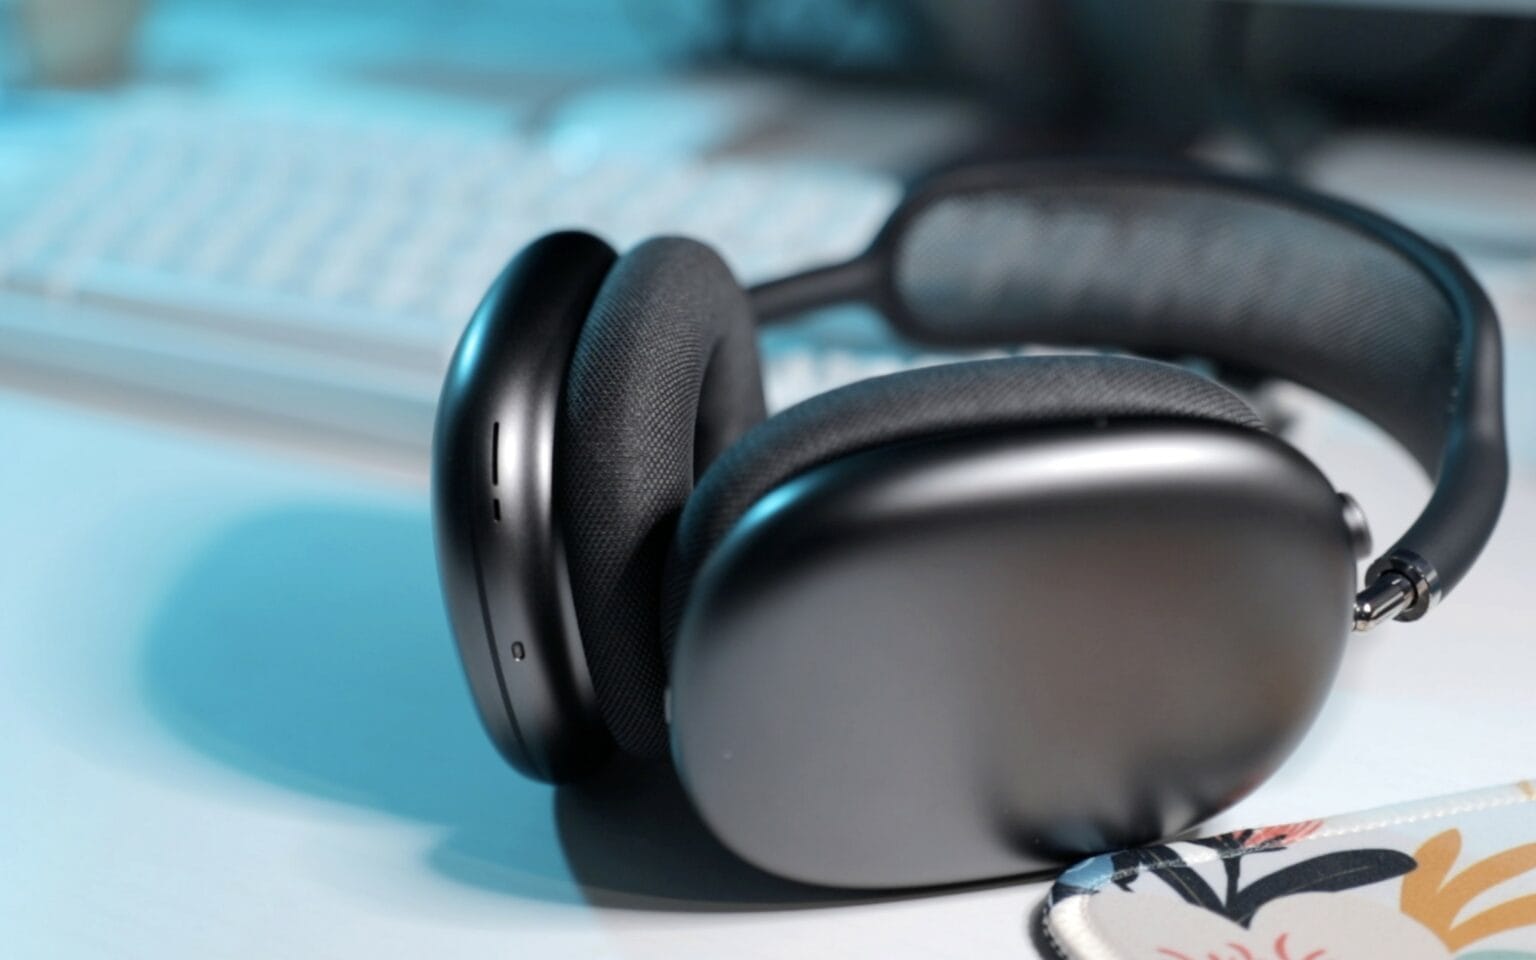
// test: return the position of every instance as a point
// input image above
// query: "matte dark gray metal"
(493, 508)
(985, 655)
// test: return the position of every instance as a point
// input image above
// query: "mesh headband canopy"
(1176, 262)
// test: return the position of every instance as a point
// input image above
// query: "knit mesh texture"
(1171, 266)
(664, 377)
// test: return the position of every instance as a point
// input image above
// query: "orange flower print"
(1436, 899)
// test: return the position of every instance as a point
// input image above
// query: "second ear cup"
(930, 402)
(665, 377)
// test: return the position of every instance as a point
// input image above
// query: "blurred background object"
(77, 43)
(273, 218)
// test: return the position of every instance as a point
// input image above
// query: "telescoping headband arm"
(1253, 275)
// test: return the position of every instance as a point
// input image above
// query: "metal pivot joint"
(1400, 586)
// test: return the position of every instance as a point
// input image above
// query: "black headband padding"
(930, 402)
(1171, 267)
(664, 377)
(1259, 276)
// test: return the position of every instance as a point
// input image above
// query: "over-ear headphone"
(971, 620)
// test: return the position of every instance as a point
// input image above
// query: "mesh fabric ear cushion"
(664, 377)
(930, 402)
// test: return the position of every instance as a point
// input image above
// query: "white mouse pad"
(1435, 879)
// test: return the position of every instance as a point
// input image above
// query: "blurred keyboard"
(308, 273)
(301, 273)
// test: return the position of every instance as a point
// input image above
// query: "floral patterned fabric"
(1448, 878)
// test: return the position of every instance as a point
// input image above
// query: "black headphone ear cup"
(665, 376)
(924, 403)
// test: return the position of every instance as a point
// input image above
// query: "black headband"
(1253, 275)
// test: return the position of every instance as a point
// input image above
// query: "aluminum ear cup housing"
(985, 655)
(493, 508)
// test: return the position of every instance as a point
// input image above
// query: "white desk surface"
(234, 726)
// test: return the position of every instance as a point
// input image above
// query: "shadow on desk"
(309, 648)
